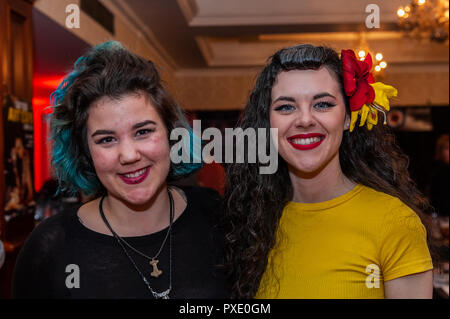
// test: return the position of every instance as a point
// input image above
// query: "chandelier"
(425, 18)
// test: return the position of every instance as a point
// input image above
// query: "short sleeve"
(404, 249)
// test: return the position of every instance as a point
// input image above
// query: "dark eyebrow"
(291, 99)
(284, 98)
(141, 124)
(102, 132)
(323, 94)
(135, 126)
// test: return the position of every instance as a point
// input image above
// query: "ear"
(347, 123)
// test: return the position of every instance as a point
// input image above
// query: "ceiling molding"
(205, 49)
(239, 31)
(285, 12)
(279, 20)
(211, 72)
(401, 68)
(335, 36)
(234, 52)
(189, 9)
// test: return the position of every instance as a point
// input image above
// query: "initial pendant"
(156, 272)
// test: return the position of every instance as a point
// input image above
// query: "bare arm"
(416, 286)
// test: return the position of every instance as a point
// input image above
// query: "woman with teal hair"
(139, 237)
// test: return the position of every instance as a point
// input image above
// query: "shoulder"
(385, 205)
(50, 233)
(391, 217)
(401, 218)
(35, 264)
(375, 197)
(387, 214)
(51, 227)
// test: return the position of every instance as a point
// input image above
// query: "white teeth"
(137, 174)
(306, 141)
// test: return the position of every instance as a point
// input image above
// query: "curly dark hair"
(370, 158)
(107, 70)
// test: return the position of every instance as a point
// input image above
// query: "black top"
(60, 248)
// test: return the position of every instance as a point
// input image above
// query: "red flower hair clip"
(357, 77)
(365, 96)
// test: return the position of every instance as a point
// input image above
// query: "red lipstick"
(305, 147)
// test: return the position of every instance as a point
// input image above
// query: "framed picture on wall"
(18, 158)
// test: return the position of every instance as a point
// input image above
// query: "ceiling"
(244, 33)
(55, 48)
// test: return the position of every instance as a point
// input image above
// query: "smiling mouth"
(136, 176)
(306, 141)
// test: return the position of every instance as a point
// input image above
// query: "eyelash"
(108, 139)
(146, 130)
(104, 140)
(327, 105)
(285, 108)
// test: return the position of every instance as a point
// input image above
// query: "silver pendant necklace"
(153, 260)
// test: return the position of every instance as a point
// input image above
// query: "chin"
(141, 198)
(137, 197)
(304, 167)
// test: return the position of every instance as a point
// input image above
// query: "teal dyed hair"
(107, 70)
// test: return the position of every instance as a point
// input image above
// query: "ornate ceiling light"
(425, 18)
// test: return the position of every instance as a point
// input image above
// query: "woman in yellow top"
(340, 217)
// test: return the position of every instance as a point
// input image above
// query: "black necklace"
(153, 261)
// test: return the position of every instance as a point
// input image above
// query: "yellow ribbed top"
(345, 247)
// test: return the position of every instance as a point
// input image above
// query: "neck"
(325, 184)
(137, 220)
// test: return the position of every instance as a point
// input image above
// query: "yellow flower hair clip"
(366, 98)
(369, 112)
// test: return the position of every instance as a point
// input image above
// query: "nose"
(304, 118)
(128, 152)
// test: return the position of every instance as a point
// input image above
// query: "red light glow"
(43, 86)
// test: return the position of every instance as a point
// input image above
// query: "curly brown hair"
(254, 202)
